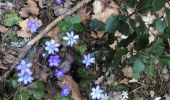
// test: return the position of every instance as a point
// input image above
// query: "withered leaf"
(3, 29)
(54, 34)
(84, 14)
(127, 71)
(74, 87)
(30, 7)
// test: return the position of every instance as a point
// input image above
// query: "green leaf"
(142, 41)
(64, 26)
(23, 95)
(77, 27)
(144, 6)
(124, 29)
(138, 67)
(166, 33)
(38, 94)
(97, 25)
(81, 48)
(165, 60)
(138, 25)
(121, 87)
(118, 55)
(112, 23)
(11, 19)
(131, 3)
(74, 19)
(168, 17)
(160, 25)
(158, 4)
(149, 71)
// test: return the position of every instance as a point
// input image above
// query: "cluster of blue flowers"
(25, 74)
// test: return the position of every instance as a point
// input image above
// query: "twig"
(41, 34)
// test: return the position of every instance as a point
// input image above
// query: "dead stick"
(41, 34)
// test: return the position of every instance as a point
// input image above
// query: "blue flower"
(25, 77)
(96, 92)
(88, 59)
(51, 47)
(54, 61)
(33, 25)
(65, 90)
(58, 2)
(71, 38)
(23, 66)
(59, 74)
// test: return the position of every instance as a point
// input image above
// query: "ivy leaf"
(11, 19)
(160, 25)
(149, 71)
(74, 19)
(158, 4)
(142, 41)
(138, 67)
(97, 25)
(112, 23)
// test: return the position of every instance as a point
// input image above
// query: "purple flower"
(71, 38)
(58, 2)
(54, 61)
(65, 90)
(88, 59)
(51, 46)
(25, 77)
(59, 74)
(23, 66)
(33, 25)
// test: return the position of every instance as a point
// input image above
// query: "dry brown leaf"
(125, 81)
(97, 6)
(106, 13)
(54, 34)
(30, 7)
(99, 80)
(41, 3)
(3, 29)
(167, 97)
(98, 34)
(73, 85)
(127, 71)
(24, 32)
(113, 46)
(84, 14)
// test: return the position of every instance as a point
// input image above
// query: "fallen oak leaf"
(30, 7)
(84, 14)
(127, 71)
(73, 85)
(54, 34)
(24, 32)
(106, 14)
(3, 29)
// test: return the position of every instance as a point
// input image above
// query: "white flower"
(157, 98)
(148, 19)
(125, 95)
(96, 93)
(88, 59)
(51, 46)
(104, 97)
(71, 38)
